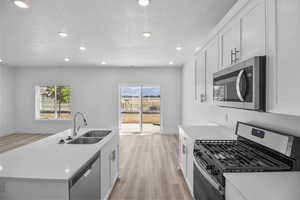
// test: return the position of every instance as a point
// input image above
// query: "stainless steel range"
(255, 150)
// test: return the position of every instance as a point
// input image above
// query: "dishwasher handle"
(84, 171)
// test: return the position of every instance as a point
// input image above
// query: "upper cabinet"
(206, 63)
(253, 31)
(200, 77)
(230, 44)
(245, 35)
(255, 28)
(212, 64)
(285, 68)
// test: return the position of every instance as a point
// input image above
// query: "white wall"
(95, 92)
(7, 83)
(195, 113)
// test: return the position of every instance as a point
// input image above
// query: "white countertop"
(209, 131)
(267, 185)
(46, 159)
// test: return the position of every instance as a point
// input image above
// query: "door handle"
(237, 86)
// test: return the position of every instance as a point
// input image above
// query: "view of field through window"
(53, 102)
(140, 109)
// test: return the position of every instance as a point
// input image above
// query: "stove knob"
(209, 167)
(215, 172)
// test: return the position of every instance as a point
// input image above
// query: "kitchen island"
(47, 169)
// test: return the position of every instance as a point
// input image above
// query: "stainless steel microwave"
(242, 85)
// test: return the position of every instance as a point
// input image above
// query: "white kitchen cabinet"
(183, 154)
(207, 63)
(186, 147)
(253, 30)
(109, 166)
(200, 76)
(212, 64)
(285, 68)
(230, 43)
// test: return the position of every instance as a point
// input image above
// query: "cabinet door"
(105, 171)
(212, 63)
(183, 157)
(230, 40)
(253, 31)
(190, 163)
(287, 73)
(114, 165)
(200, 75)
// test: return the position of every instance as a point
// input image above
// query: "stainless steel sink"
(85, 140)
(97, 133)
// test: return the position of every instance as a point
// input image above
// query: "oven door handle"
(237, 86)
(214, 183)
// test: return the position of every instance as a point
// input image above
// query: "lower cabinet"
(186, 158)
(109, 166)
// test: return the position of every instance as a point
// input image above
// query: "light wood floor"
(13, 141)
(148, 165)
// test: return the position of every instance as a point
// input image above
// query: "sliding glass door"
(140, 109)
(150, 109)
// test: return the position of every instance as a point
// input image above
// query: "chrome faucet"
(75, 128)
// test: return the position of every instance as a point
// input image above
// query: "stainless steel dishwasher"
(86, 183)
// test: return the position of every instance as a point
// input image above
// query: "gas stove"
(255, 150)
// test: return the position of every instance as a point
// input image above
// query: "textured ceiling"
(109, 29)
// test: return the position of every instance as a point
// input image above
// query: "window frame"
(38, 103)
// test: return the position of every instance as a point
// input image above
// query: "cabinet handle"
(231, 56)
(183, 149)
(202, 98)
(235, 55)
(113, 155)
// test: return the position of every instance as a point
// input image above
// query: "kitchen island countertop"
(46, 159)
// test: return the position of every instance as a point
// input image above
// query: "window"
(53, 102)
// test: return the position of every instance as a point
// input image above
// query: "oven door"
(205, 187)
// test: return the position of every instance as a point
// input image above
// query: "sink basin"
(97, 133)
(82, 140)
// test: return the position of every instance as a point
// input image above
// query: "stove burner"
(235, 155)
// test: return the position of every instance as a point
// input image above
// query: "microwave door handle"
(238, 89)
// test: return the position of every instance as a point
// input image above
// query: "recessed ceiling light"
(1, 60)
(103, 63)
(147, 34)
(144, 3)
(82, 48)
(67, 59)
(171, 63)
(21, 4)
(197, 49)
(179, 48)
(63, 34)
